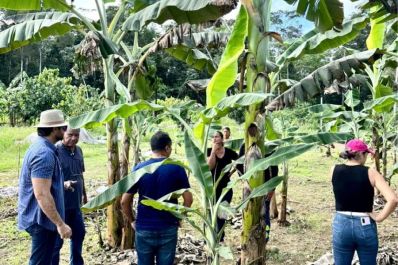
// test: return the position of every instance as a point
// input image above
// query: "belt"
(353, 213)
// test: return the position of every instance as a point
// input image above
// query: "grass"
(310, 197)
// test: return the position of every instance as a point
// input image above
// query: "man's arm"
(188, 198)
(127, 211)
(41, 189)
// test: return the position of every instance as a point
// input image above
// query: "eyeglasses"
(64, 128)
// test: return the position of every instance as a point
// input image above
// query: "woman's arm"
(392, 200)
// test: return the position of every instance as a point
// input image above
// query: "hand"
(64, 231)
(374, 216)
(68, 185)
(216, 147)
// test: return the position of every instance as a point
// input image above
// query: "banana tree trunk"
(127, 232)
(253, 240)
(283, 215)
(114, 216)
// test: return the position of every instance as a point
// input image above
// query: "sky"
(88, 8)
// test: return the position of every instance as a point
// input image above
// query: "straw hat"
(51, 118)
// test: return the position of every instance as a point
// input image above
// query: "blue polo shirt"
(40, 161)
(72, 165)
(166, 179)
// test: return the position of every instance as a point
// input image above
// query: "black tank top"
(352, 189)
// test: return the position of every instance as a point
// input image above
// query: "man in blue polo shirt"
(41, 190)
(72, 163)
(156, 231)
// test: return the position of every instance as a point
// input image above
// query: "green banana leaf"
(325, 138)
(270, 132)
(383, 104)
(325, 77)
(314, 42)
(188, 11)
(34, 30)
(225, 105)
(199, 166)
(346, 115)
(377, 29)
(27, 5)
(173, 195)
(178, 211)
(352, 98)
(326, 14)
(226, 211)
(321, 138)
(193, 57)
(319, 108)
(260, 191)
(225, 75)
(234, 144)
(99, 117)
(122, 186)
(280, 155)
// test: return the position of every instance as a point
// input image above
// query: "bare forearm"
(387, 210)
(211, 161)
(47, 204)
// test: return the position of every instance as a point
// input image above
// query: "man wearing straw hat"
(41, 189)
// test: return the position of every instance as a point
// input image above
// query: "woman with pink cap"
(354, 224)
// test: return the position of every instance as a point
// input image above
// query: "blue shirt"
(166, 179)
(40, 161)
(72, 165)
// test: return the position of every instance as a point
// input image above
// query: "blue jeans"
(73, 218)
(42, 244)
(159, 245)
(350, 235)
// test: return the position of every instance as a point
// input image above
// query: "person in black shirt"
(354, 224)
(218, 157)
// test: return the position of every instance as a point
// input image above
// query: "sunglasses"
(64, 128)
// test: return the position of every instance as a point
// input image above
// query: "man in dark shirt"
(72, 164)
(156, 231)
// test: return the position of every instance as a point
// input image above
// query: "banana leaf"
(225, 75)
(199, 166)
(188, 11)
(234, 144)
(314, 42)
(99, 117)
(260, 191)
(35, 30)
(193, 57)
(383, 104)
(326, 76)
(111, 193)
(26, 5)
(326, 14)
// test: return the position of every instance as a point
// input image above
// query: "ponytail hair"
(349, 155)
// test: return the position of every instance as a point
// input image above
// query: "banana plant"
(37, 26)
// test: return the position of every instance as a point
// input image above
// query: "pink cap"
(357, 145)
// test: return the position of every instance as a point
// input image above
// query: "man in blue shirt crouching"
(156, 231)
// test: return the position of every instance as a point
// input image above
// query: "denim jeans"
(42, 244)
(159, 245)
(73, 218)
(350, 235)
